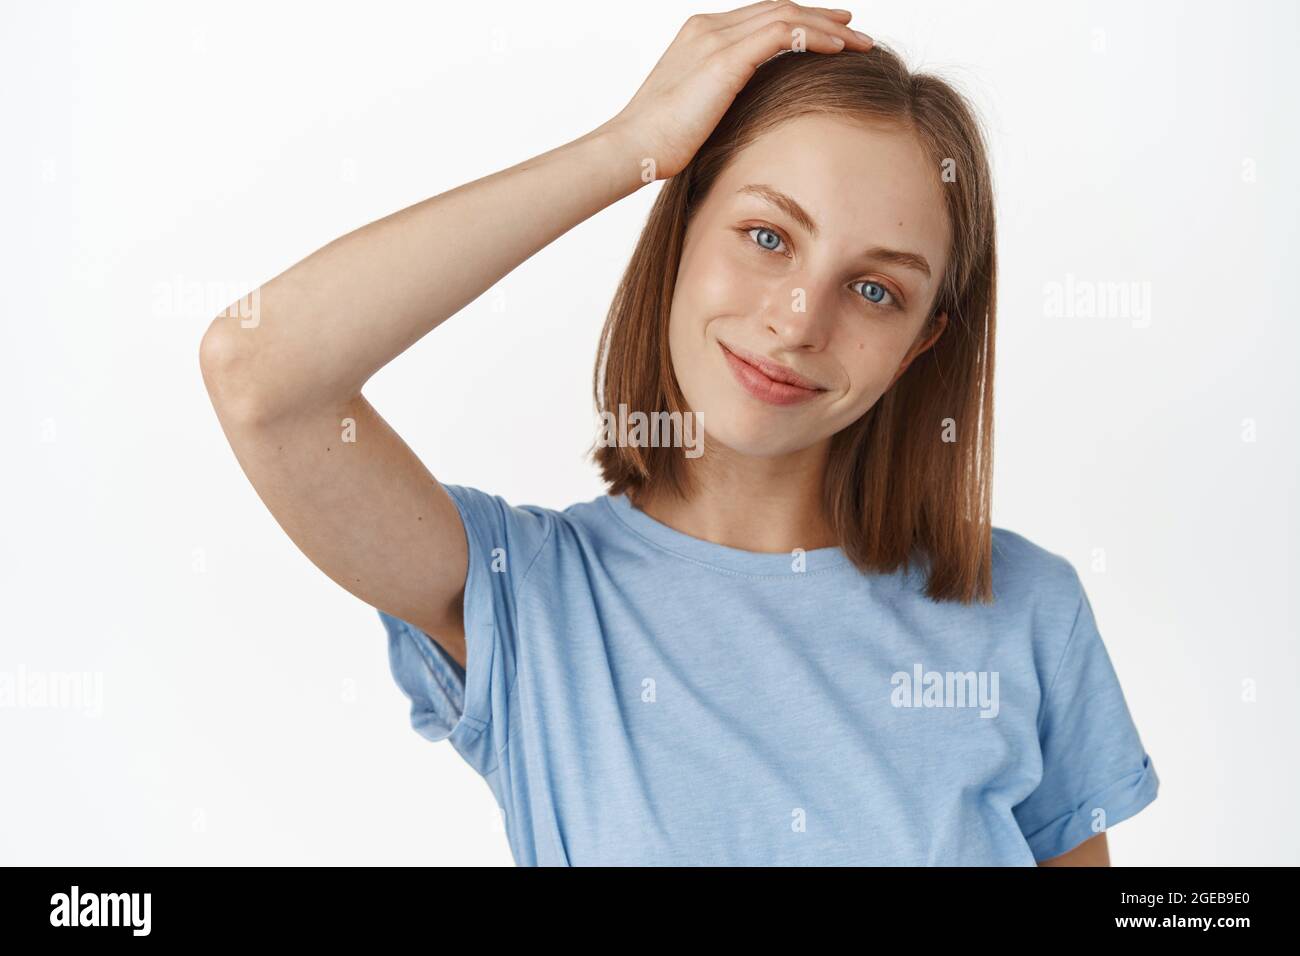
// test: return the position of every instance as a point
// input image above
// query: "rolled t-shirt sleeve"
(470, 706)
(1095, 770)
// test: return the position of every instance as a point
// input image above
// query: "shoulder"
(1019, 563)
(1033, 579)
(494, 519)
(1042, 589)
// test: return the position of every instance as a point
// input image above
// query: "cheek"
(713, 291)
(871, 355)
(717, 284)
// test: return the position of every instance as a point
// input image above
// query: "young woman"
(797, 642)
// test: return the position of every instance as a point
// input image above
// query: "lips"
(769, 381)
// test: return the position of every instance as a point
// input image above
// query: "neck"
(755, 504)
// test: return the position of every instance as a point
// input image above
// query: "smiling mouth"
(768, 381)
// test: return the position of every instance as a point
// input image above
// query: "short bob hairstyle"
(909, 481)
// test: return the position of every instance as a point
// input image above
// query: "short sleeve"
(1095, 771)
(470, 706)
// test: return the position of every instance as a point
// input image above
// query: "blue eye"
(769, 240)
(877, 294)
(769, 243)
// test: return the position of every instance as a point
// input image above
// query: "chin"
(756, 432)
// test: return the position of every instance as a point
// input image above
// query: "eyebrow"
(787, 204)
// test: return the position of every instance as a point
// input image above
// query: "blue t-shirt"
(637, 696)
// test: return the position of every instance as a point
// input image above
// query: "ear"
(937, 324)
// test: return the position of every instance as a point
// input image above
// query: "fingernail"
(863, 37)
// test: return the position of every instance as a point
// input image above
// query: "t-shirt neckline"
(721, 556)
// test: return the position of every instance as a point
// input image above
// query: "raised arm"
(285, 372)
(285, 376)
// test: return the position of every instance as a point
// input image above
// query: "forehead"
(864, 184)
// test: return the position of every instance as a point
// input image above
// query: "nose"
(798, 313)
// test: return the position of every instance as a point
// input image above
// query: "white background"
(160, 160)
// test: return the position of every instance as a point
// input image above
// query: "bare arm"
(1091, 852)
(286, 381)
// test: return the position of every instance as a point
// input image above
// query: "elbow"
(226, 363)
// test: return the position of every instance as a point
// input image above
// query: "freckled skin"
(855, 185)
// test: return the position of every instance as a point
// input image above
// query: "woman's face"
(792, 312)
